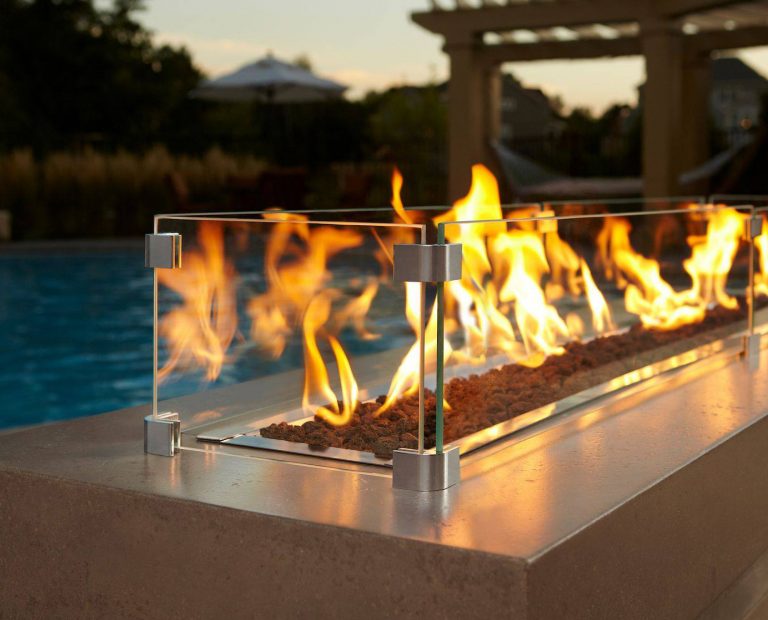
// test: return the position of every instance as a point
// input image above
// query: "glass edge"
(586, 216)
(701, 199)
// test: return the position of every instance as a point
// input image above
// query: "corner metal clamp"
(162, 434)
(753, 226)
(426, 470)
(162, 431)
(415, 262)
(162, 251)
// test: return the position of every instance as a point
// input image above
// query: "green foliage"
(408, 126)
(69, 194)
(590, 146)
(77, 73)
(303, 61)
(86, 97)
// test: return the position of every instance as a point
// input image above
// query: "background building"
(736, 98)
(527, 113)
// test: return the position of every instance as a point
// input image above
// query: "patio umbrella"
(272, 81)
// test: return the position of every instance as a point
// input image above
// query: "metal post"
(421, 469)
(162, 431)
(440, 382)
(422, 354)
(751, 352)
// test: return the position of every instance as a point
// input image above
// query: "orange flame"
(397, 201)
(712, 258)
(481, 203)
(540, 325)
(473, 301)
(356, 311)
(315, 372)
(291, 285)
(200, 331)
(565, 265)
(296, 267)
(406, 378)
(602, 321)
(503, 269)
(513, 272)
(649, 296)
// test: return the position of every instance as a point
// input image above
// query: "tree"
(77, 73)
(303, 61)
(408, 125)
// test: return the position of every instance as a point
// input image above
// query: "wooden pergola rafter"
(676, 38)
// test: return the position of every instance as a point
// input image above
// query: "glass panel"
(761, 273)
(293, 320)
(622, 205)
(756, 200)
(554, 309)
(397, 205)
(760, 255)
(367, 214)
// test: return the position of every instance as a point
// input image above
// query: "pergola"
(676, 38)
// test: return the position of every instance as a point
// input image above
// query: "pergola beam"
(625, 46)
(752, 36)
(675, 107)
(542, 15)
(680, 8)
(555, 50)
(528, 16)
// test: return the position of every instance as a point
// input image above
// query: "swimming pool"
(75, 332)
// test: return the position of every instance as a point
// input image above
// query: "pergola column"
(662, 109)
(473, 112)
(694, 143)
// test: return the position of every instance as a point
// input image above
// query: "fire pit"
(589, 364)
(360, 341)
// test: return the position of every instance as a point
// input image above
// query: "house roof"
(537, 96)
(732, 69)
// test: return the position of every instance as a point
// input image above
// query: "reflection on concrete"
(517, 497)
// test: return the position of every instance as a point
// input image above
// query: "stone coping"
(646, 506)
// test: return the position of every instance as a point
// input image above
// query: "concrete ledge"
(79, 550)
(670, 551)
(651, 506)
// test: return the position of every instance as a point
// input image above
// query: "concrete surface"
(650, 506)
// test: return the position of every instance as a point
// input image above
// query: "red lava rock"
(480, 401)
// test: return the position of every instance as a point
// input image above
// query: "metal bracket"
(415, 262)
(751, 351)
(162, 251)
(753, 226)
(162, 434)
(425, 471)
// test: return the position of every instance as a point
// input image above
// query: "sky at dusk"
(367, 44)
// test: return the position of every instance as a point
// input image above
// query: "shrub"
(93, 194)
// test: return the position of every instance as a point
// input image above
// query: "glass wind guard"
(554, 311)
(290, 334)
(387, 214)
(621, 205)
(756, 200)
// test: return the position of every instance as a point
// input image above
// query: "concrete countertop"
(532, 528)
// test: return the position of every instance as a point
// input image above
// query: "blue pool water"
(75, 333)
